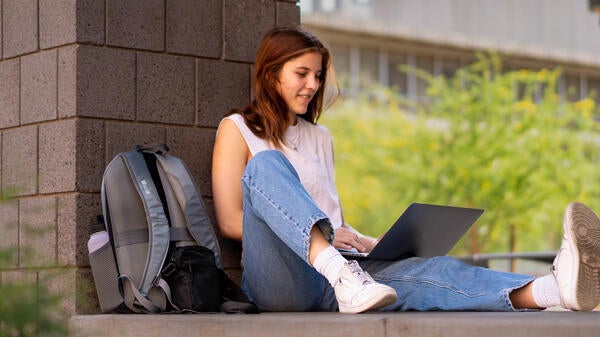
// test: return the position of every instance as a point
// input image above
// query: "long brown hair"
(267, 115)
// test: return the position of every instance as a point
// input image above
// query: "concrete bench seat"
(413, 324)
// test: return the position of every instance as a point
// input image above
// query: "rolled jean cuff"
(325, 227)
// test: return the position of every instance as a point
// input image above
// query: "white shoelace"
(360, 274)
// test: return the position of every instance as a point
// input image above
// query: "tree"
(500, 140)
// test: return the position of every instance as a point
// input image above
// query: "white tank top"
(309, 148)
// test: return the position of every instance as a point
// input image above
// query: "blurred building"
(369, 38)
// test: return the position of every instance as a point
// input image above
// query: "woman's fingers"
(347, 239)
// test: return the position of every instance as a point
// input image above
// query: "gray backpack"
(156, 225)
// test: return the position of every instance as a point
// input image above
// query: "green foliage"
(502, 141)
(27, 307)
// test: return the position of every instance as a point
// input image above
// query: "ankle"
(545, 292)
(328, 263)
(522, 298)
(318, 243)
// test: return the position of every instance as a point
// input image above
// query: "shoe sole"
(583, 227)
(384, 299)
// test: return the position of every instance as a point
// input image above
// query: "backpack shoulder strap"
(191, 206)
(158, 225)
(138, 230)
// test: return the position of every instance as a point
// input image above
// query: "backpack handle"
(158, 148)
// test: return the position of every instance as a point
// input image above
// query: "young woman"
(274, 189)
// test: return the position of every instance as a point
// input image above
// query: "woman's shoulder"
(233, 117)
(236, 118)
(236, 122)
(322, 129)
(317, 129)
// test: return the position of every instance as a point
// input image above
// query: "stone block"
(231, 250)
(105, 83)
(1, 39)
(124, 136)
(76, 214)
(91, 17)
(60, 283)
(39, 87)
(75, 286)
(235, 274)
(9, 227)
(245, 24)
(69, 241)
(19, 27)
(86, 297)
(58, 22)
(136, 24)
(276, 324)
(67, 81)
(19, 161)
(57, 156)
(548, 323)
(222, 86)
(37, 231)
(165, 88)
(210, 208)
(232, 254)
(10, 75)
(194, 146)
(19, 276)
(90, 145)
(194, 27)
(288, 13)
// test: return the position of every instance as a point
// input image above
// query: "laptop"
(423, 230)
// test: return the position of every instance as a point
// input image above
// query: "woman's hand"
(347, 239)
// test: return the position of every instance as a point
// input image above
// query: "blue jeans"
(278, 217)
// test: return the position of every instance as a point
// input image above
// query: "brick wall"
(82, 80)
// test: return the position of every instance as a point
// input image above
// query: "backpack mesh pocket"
(105, 274)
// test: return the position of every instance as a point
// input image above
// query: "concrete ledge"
(447, 324)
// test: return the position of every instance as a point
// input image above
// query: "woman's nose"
(312, 83)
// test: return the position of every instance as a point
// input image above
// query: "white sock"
(545, 291)
(328, 263)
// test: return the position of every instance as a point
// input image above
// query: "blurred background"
(481, 103)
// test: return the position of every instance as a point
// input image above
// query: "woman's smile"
(299, 80)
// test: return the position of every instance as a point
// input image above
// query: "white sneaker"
(577, 265)
(356, 291)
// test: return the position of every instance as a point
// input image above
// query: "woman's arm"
(230, 156)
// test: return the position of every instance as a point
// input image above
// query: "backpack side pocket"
(105, 274)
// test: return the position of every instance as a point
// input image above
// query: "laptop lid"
(425, 230)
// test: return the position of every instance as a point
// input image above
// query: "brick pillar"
(82, 80)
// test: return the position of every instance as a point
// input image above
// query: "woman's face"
(299, 80)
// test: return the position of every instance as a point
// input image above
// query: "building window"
(448, 67)
(397, 78)
(368, 68)
(593, 85)
(424, 63)
(341, 63)
(572, 87)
